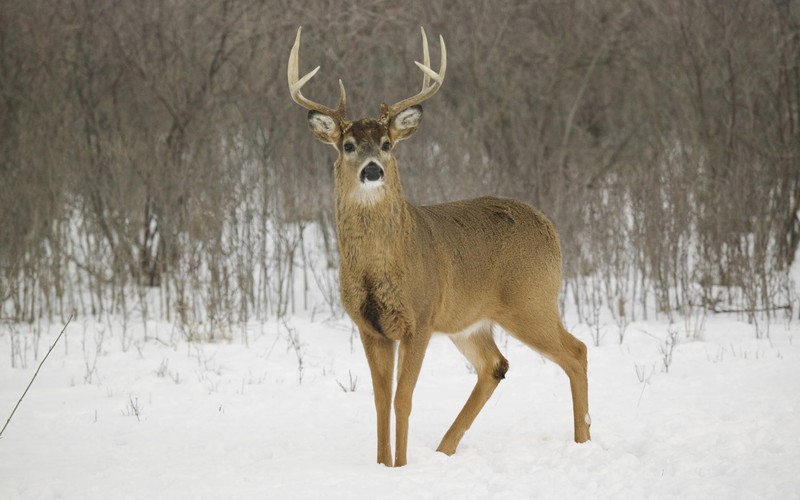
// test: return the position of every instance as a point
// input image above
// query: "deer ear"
(325, 128)
(405, 123)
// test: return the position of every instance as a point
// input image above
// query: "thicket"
(152, 162)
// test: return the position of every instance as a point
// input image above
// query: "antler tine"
(426, 58)
(428, 88)
(296, 83)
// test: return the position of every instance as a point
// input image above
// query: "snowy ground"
(172, 419)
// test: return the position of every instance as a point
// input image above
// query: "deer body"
(407, 272)
(448, 278)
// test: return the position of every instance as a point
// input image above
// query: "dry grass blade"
(34, 376)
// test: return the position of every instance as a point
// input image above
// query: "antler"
(296, 83)
(428, 89)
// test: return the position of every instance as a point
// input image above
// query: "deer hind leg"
(481, 351)
(380, 356)
(544, 333)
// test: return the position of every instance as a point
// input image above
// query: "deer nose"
(372, 172)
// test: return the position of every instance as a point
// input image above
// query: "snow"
(166, 418)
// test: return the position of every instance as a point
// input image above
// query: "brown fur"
(408, 271)
(457, 268)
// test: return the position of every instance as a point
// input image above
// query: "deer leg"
(545, 334)
(380, 356)
(412, 352)
(572, 359)
(481, 351)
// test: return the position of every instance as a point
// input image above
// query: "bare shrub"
(149, 150)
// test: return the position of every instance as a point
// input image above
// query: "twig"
(353, 383)
(34, 375)
(752, 309)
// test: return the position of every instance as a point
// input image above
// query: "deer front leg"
(380, 356)
(412, 352)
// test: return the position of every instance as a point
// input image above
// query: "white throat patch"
(369, 192)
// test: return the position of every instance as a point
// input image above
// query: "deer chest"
(377, 306)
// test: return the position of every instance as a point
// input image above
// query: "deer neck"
(372, 235)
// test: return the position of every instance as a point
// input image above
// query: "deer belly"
(469, 330)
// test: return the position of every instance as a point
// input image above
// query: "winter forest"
(158, 184)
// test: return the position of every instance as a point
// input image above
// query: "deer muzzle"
(372, 172)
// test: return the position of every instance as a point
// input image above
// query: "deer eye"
(349, 147)
(386, 146)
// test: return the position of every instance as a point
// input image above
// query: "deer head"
(366, 168)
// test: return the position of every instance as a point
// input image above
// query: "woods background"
(152, 163)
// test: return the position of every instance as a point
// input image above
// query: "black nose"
(372, 172)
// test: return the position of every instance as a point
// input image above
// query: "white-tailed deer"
(457, 268)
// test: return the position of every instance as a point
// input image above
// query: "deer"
(407, 272)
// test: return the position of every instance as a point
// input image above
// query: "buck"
(407, 272)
